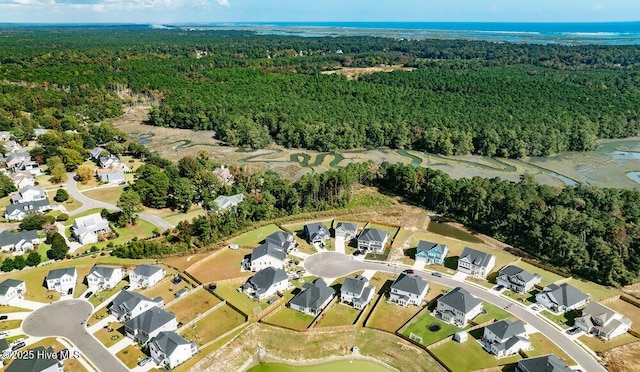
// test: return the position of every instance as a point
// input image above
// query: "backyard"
(254, 237)
(192, 305)
(213, 325)
(630, 311)
(338, 315)
(598, 345)
(165, 289)
(421, 325)
(229, 292)
(289, 318)
(224, 264)
(389, 316)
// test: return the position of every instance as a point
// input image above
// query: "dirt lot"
(353, 72)
(622, 359)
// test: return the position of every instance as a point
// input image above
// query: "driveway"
(67, 319)
(333, 265)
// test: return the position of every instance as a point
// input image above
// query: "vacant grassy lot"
(175, 218)
(12, 309)
(165, 289)
(220, 266)
(193, 304)
(131, 355)
(70, 204)
(229, 292)
(110, 338)
(254, 237)
(107, 194)
(183, 262)
(338, 315)
(289, 318)
(563, 320)
(628, 310)
(451, 231)
(389, 316)
(101, 296)
(213, 325)
(10, 324)
(543, 346)
(421, 326)
(598, 345)
(469, 355)
(597, 291)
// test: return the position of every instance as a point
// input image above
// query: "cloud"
(223, 2)
(597, 6)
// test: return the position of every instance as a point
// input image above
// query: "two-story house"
(127, 305)
(316, 233)
(145, 276)
(346, 230)
(170, 349)
(476, 263)
(104, 277)
(266, 255)
(562, 298)
(62, 280)
(505, 338)
(22, 179)
(18, 211)
(283, 239)
(544, 363)
(602, 322)
(28, 194)
(112, 160)
(87, 229)
(149, 324)
(458, 307)
(19, 242)
(431, 253)
(408, 289)
(11, 289)
(313, 297)
(357, 292)
(266, 283)
(372, 240)
(517, 280)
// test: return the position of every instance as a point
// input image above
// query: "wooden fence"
(196, 319)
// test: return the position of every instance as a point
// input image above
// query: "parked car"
(408, 271)
(18, 346)
(499, 288)
(176, 280)
(3, 317)
(573, 331)
(439, 275)
(70, 292)
(126, 287)
(88, 294)
(144, 361)
(356, 253)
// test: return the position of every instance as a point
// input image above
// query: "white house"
(112, 160)
(22, 179)
(112, 174)
(346, 230)
(28, 194)
(171, 349)
(28, 166)
(602, 322)
(129, 305)
(476, 263)
(545, 363)
(458, 307)
(517, 279)
(226, 202)
(313, 297)
(86, 229)
(10, 289)
(505, 338)
(62, 280)
(104, 277)
(19, 242)
(408, 289)
(266, 283)
(149, 324)
(17, 212)
(357, 292)
(145, 276)
(562, 298)
(267, 255)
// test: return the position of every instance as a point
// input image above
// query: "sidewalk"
(126, 341)
(101, 324)
(73, 348)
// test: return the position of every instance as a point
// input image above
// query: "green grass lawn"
(563, 320)
(10, 324)
(469, 356)
(338, 315)
(547, 276)
(597, 291)
(598, 345)
(451, 231)
(391, 230)
(108, 194)
(287, 317)
(389, 316)
(369, 199)
(193, 304)
(492, 312)
(101, 296)
(378, 256)
(254, 237)
(131, 355)
(222, 265)
(526, 299)
(229, 292)
(421, 326)
(213, 325)
(543, 346)
(176, 218)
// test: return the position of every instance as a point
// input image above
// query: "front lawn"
(101, 296)
(289, 318)
(543, 346)
(565, 320)
(389, 316)
(492, 312)
(131, 355)
(598, 345)
(378, 256)
(6, 325)
(421, 326)
(98, 316)
(5, 309)
(254, 237)
(110, 338)
(192, 305)
(213, 325)
(338, 315)
(107, 194)
(222, 265)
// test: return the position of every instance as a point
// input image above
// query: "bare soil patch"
(353, 72)
(622, 359)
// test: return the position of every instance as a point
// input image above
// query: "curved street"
(333, 265)
(67, 319)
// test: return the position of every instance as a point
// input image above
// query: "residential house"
(87, 229)
(373, 240)
(266, 255)
(28, 194)
(357, 292)
(62, 280)
(408, 289)
(19, 242)
(458, 307)
(127, 305)
(10, 289)
(112, 160)
(316, 233)
(17, 212)
(603, 322)
(476, 263)
(170, 349)
(149, 324)
(313, 297)
(562, 298)
(27, 166)
(22, 179)
(41, 359)
(226, 202)
(145, 276)
(97, 152)
(431, 253)
(224, 175)
(5, 136)
(13, 147)
(15, 158)
(104, 277)
(346, 230)
(112, 174)
(517, 280)
(266, 283)
(282, 239)
(544, 363)
(505, 338)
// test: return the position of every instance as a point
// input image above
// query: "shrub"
(62, 217)
(61, 196)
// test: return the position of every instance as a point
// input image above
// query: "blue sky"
(174, 11)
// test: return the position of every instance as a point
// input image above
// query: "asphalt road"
(334, 265)
(67, 319)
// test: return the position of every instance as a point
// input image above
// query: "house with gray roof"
(517, 280)
(266, 283)
(40, 360)
(112, 160)
(97, 152)
(544, 363)
(112, 174)
(28, 194)
(601, 321)
(104, 277)
(357, 292)
(562, 298)
(505, 338)
(316, 233)
(62, 280)
(145, 276)
(227, 202)
(127, 305)
(149, 324)
(282, 239)
(87, 228)
(408, 289)
(431, 253)
(27, 166)
(313, 297)
(266, 255)
(10, 289)
(17, 212)
(458, 307)
(170, 349)
(372, 240)
(19, 242)
(346, 230)
(4, 347)
(15, 158)
(476, 263)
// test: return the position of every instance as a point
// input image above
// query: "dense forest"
(463, 97)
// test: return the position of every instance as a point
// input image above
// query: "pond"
(452, 231)
(339, 366)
